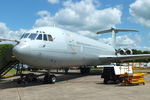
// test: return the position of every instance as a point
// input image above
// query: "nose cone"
(21, 51)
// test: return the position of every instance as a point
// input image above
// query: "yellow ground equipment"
(134, 78)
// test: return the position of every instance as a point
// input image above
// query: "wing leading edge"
(121, 58)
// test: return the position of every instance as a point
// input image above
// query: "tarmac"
(73, 86)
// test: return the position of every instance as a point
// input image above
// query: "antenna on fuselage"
(114, 31)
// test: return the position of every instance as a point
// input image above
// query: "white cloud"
(143, 48)
(89, 34)
(44, 20)
(3, 28)
(53, 1)
(125, 41)
(5, 32)
(139, 11)
(121, 41)
(81, 16)
(146, 48)
(43, 13)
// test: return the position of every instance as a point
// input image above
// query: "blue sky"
(82, 16)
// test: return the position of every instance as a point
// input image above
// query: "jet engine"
(124, 51)
(121, 51)
(129, 52)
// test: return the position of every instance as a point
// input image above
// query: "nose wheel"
(48, 78)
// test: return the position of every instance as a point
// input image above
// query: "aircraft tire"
(52, 79)
(49, 78)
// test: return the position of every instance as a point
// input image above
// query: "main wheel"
(52, 79)
(49, 78)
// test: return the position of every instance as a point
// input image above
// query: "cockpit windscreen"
(32, 36)
(35, 36)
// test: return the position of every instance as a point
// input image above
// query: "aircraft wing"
(121, 58)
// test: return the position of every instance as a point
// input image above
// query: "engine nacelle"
(129, 52)
(121, 52)
(124, 51)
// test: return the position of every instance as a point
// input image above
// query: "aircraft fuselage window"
(45, 37)
(39, 37)
(50, 38)
(32, 36)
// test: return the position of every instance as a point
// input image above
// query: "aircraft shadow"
(60, 78)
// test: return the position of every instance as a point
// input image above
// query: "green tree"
(141, 52)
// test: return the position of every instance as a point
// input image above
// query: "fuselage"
(51, 47)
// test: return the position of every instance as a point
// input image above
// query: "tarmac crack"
(19, 96)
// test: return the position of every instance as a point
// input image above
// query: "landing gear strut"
(66, 70)
(49, 78)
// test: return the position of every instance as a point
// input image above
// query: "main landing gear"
(49, 78)
(29, 78)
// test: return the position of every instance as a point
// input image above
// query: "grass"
(12, 71)
(4, 49)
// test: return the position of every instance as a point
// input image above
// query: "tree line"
(141, 52)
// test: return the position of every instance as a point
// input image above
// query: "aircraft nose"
(21, 51)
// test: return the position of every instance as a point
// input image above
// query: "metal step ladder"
(5, 69)
(7, 62)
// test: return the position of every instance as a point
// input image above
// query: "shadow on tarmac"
(6, 84)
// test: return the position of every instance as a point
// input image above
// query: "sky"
(85, 17)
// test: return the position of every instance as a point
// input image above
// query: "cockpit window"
(32, 36)
(22, 36)
(25, 35)
(36, 36)
(45, 37)
(50, 38)
(39, 37)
